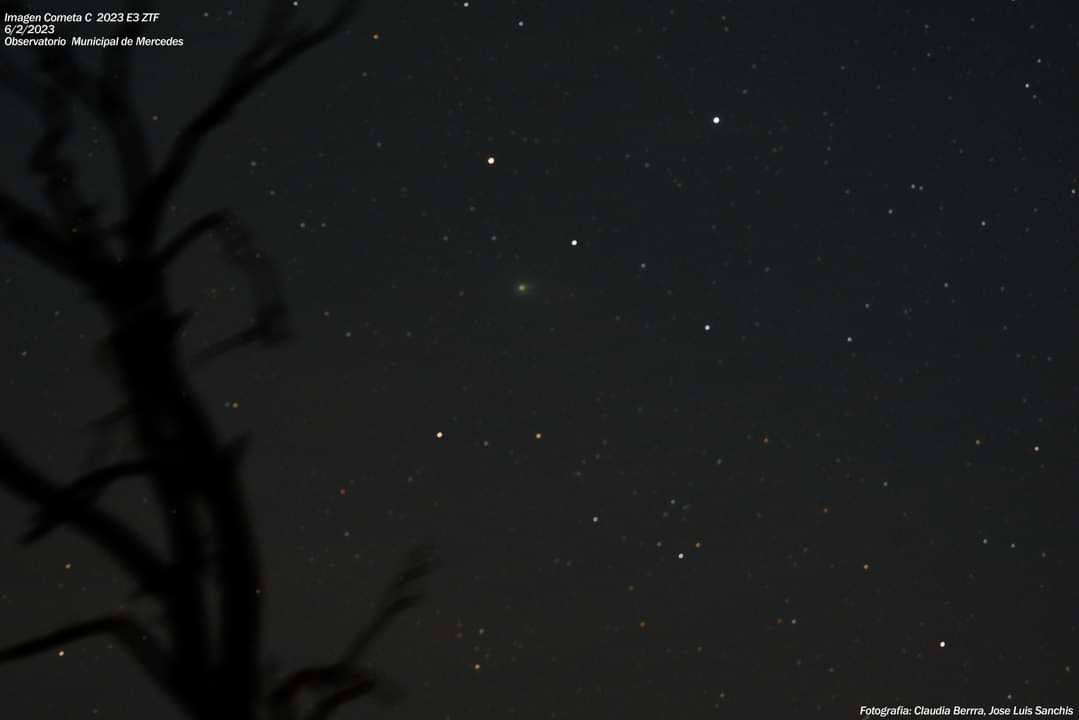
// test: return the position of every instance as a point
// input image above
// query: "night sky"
(724, 351)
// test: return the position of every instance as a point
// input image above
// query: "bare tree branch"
(270, 324)
(276, 47)
(118, 108)
(361, 684)
(396, 598)
(57, 172)
(125, 631)
(71, 244)
(192, 472)
(73, 499)
(108, 97)
(182, 240)
(115, 538)
(343, 675)
(34, 235)
(345, 684)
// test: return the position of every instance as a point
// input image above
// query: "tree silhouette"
(211, 669)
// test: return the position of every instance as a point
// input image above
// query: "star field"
(723, 351)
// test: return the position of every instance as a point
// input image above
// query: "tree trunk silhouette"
(209, 671)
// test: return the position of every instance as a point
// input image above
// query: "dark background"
(805, 381)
